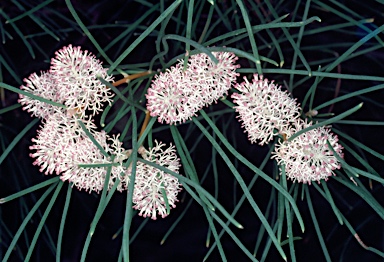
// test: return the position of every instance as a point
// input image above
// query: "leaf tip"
(370, 20)
(207, 243)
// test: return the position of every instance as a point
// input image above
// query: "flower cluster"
(171, 97)
(264, 107)
(266, 111)
(42, 86)
(177, 95)
(62, 145)
(153, 184)
(213, 80)
(77, 73)
(72, 80)
(78, 152)
(308, 157)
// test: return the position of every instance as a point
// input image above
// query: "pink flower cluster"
(308, 157)
(148, 197)
(177, 95)
(63, 147)
(72, 80)
(263, 107)
(266, 111)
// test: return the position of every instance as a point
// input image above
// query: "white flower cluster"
(72, 81)
(148, 197)
(308, 157)
(266, 111)
(62, 145)
(263, 107)
(176, 95)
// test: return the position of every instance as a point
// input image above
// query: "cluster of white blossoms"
(72, 81)
(308, 157)
(263, 107)
(177, 95)
(150, 181)
(63, 146)
(266, 111)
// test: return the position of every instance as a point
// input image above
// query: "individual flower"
(172, 97)
(44, 86)
(62, 145)
(76, 73)
(308, 157)
(214, 79)
(148, 197)
(264, 109)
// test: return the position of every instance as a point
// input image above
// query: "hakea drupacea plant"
(176, 95)
(63, 146)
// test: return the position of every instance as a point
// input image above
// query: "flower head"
(62, 145)
(172, 97)
(176, 95)
(308, 157)
(263, 108)
(214, 79)
(84, 151)
(151, 183)
(76, 73)
(43, 86)
(47, 146)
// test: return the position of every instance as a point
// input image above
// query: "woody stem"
(145, 123)
(130, 77)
